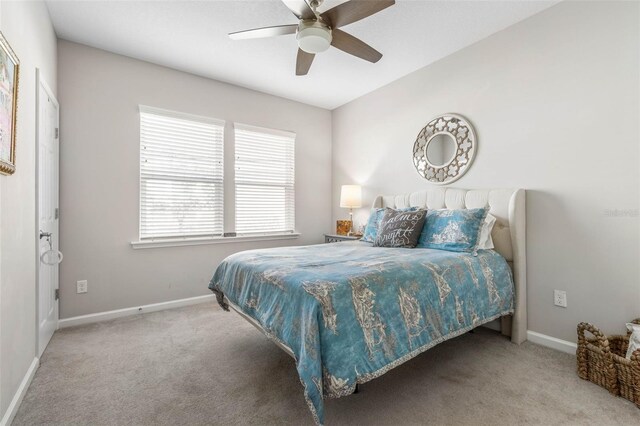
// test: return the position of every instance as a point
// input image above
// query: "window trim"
(199, 241)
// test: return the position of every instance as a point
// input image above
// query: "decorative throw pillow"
(486, 242)
(453, 230)
(400, 228)
(373, 224)
(371, 230)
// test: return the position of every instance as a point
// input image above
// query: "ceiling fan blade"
(303, 62)
(354, 46)
(354, 10)
(264, 32)
(300, 8)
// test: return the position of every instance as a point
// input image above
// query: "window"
(181, 175)
(182, 187)
(264, 181)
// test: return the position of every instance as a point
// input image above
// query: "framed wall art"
(9, 71)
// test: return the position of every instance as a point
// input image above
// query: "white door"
(47, 198)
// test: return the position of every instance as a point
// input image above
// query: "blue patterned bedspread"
(351, 312)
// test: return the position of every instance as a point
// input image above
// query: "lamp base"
(350, 220)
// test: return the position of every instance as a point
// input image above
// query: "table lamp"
(351, 198)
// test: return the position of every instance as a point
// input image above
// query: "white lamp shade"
(351, 196)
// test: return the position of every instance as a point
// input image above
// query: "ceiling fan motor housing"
(313, 36)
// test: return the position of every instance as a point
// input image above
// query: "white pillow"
(634, 340)
(486, 242)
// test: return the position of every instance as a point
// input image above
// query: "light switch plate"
(81, 286)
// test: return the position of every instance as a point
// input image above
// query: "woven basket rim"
(621, 359)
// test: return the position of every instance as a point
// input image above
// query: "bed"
(349, 312)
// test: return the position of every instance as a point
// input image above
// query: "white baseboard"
(552, 342)
(19, 395)
(118, 313)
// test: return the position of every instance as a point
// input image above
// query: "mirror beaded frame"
(464, 136)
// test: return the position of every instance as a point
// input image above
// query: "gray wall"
(27, 27)
(555, 102)
(99, 97)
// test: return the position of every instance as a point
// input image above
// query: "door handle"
(46, 256)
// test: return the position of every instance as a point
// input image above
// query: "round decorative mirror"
(440, 149)
(444, 149)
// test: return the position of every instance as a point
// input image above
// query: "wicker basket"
(602, 361)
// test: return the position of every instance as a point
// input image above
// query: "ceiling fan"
(316, 31)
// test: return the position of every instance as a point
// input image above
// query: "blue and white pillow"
(373, 224)
(452, 230)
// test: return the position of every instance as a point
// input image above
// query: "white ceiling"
(192, 36)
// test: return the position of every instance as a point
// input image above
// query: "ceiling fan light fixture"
(313, 37)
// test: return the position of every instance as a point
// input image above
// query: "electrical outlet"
(560, 298)
(81, 286)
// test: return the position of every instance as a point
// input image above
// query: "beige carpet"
(202, 366)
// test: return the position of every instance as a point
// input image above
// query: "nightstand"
(333, 238)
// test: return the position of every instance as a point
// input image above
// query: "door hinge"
(57, 132)
(56, 213)
(57, 294)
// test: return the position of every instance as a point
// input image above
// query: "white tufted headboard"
(509, 233)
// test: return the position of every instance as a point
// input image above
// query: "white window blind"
(181, 175)
(264, 180)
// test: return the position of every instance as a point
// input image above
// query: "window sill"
(178, 242)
